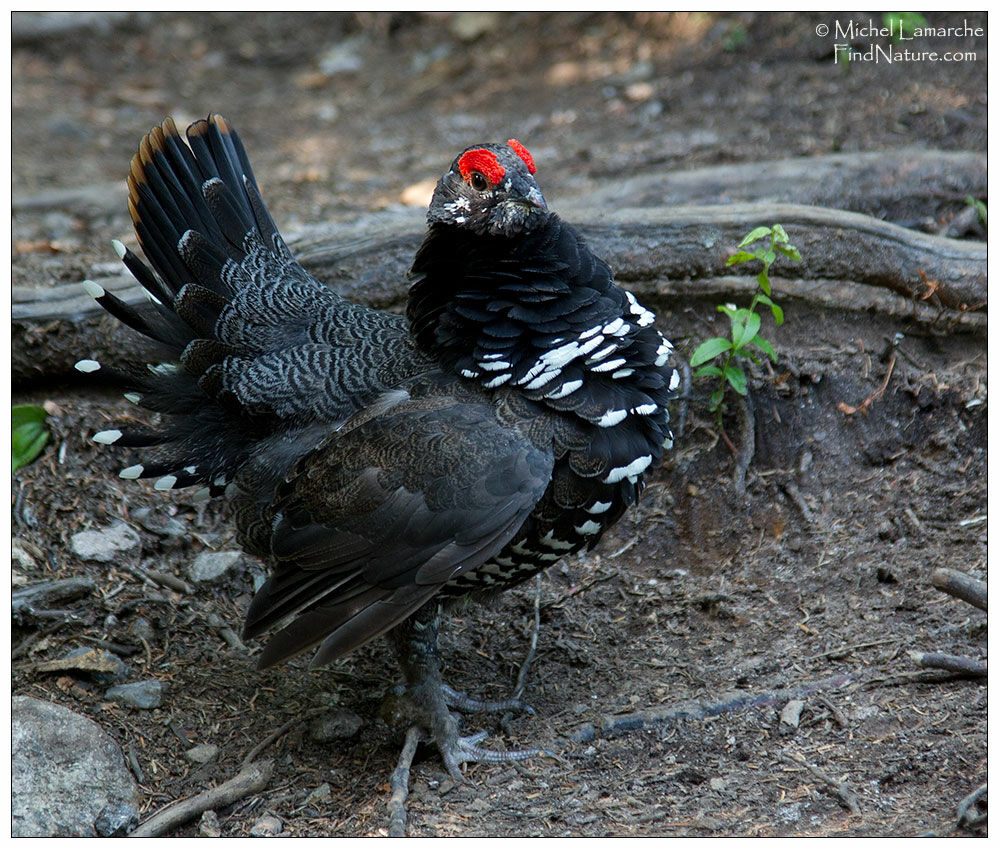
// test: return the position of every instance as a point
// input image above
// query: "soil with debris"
(721, 664)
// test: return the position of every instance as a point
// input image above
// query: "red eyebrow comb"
(485, 162)
(524, 154)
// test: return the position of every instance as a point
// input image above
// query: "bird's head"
(490, 189)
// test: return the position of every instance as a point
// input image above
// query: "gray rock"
(209, 825)
(65, 772)
(267, 826)
(202, 754)
(105, 545)
(210, 565)
(791, 715)
(116, 820)
(142, 694)
(336, 725)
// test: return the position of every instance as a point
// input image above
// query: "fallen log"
(906, 186)
(657, 253)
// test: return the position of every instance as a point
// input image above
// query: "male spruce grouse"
(386, 465)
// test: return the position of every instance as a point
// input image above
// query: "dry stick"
(952, 663)
(697, 711)
(843, 407)
(840, 788)
(748, 448)
(251, 779)
(532, 650)
(298, 720)
(400, 783)
(962, 586)
(684, 399)
(154, 578)
(791, 488)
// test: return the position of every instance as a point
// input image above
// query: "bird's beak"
(536, 199)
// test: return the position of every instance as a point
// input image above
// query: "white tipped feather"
(93, 289)
(131, 473)
(87, 366)
(107, 437)
(119, 248)
(165, 482)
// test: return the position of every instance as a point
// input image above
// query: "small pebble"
(791, 714)
(209, 825)
(212, 564)
(336, 725)
(202, 753)
(104, 546)
(142, 694)
(267, 826)
(323, 791)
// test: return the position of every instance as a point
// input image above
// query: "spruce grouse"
(383, 464)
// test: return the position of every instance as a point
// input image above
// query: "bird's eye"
(478, 181)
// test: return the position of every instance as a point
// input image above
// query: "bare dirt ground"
(703, 614)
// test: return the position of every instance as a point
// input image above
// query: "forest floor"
(721, 664)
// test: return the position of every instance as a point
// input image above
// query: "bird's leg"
(429, 698)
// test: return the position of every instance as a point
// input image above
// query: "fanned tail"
(206, 234)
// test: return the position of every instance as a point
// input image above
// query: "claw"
(455, 699)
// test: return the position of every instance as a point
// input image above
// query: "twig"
(835, 711)
(952, 663)
(684, 399)
(151, 576)
(615, 725)
(225, 632)
(843, 407)
(842, 651)
(251, 779)
(791, 488)
(840, 789)
(133, 762)
(533, 648)
(965, 806)
(298, 720)
(400, 783)
(30, 602)
(748, 447)
(606, 576)
(962, 586)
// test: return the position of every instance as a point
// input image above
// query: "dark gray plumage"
(382, 463)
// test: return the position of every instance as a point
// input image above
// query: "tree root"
(252, 778)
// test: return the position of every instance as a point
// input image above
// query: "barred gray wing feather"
(378, 519)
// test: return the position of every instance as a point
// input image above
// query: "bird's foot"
(429, 712)
(461, 701)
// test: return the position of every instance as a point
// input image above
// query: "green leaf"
(780, 234)
(764, 346)
(763, 281)
(790, 251)
(716, 398)
(736, 378)
(768, 258)
(709, 371)
(28, 434)
(754, 235)
(709, 350)
(740, 256)
(778, 313)
(980, 208)
(744, 331)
